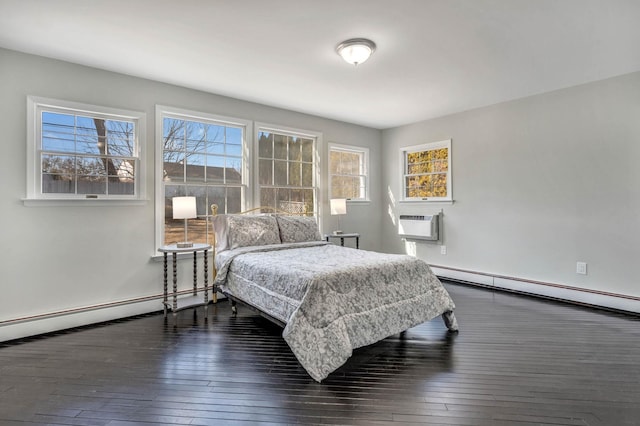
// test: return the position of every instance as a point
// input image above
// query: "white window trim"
(34, 195)
(424, 147)
(161, 111)
(289, 131)
(356, 149)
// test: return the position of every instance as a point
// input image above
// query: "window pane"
(234, 200)
(58, 164)
(307, 174)
(214, 133)
(282, 198)
(196, 137)
(295, 149)
(295, 171)
(334, 161)
(265, 174)
(350, 163)
(307, 150)
(215, 168)
(268, 197)
(265, 145)
(173, 133)
(92, 185)
(309, 201)
(91, 166)
(91, 135)
(280, 147)
(173, 166)
(345, 187)
(280, 173)
(195, 168)
(120, 138)
(217, 195)
(234, 150)
(58, 184)
(234, 136)
(233, 173)
(124, 169)
(215, 148)
(117, 186)
(439, 185)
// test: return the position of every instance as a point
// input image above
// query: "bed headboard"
(267, 225)
(261, 209)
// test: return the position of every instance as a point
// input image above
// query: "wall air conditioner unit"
(419, 227)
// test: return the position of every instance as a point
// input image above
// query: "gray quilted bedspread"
(346, 298)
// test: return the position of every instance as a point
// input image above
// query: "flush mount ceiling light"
(356, 50)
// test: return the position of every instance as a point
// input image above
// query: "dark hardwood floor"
(516, 361)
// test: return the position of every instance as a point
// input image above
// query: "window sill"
(159, 257)
(92, 202)
(447, 202)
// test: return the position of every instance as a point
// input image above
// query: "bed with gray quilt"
(331, 299)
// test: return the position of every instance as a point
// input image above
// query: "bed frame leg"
(234, 308)
(450, 321)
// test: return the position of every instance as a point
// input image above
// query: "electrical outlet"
(581, 268)
(443, 249)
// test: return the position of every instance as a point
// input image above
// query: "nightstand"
(192, 300)
(342, 237)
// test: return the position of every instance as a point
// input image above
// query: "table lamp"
(338, 207)
(184, 208)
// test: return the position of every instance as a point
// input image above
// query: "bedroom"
(567, 192)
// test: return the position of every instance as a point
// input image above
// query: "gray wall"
(58, 258)
(539, 183)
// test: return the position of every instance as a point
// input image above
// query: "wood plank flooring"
(516, 361)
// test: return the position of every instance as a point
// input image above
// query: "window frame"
(364, 165)
(34, 194)
(163, 111)
(431, 146)
(289, 131)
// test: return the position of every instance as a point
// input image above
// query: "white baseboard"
(617, 302)
(62, 321)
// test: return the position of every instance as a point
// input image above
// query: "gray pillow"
(298, 229)
(243, 231)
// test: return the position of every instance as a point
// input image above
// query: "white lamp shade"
(338, 206)
(184, 207)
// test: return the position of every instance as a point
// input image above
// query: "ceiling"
(433, 57)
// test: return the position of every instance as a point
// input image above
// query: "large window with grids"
(287, 168)
(348, 172)
(83, 152)
(426, 172)
(204, 156)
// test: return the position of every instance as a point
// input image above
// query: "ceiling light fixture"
(356, 50)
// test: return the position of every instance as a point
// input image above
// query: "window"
(348, 172)
(287, 170)
(203, 156)
(427, 172)
(79, 151)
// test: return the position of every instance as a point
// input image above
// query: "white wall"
(539, 183)
(59, 258)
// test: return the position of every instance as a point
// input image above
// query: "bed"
(329, 299)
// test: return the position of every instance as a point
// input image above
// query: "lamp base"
(184, 245)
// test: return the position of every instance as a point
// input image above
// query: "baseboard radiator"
(575, 295)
